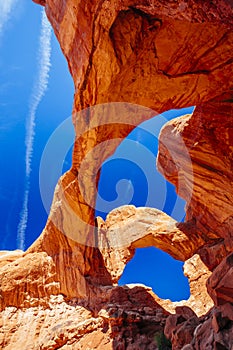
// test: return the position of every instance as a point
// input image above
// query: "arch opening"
(158, 270)
(130, 176)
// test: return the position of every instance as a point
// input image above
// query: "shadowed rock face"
(159, 55)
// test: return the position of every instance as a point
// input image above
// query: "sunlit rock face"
(158, 55)
(208, 136)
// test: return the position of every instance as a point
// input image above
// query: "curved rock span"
(155, 55)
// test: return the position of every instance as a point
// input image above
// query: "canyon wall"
(131, 60)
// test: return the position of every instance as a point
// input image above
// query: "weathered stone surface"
(7, 256)
(108, 316)
(161, 55)
(171, 323)
(28, 281)
(227, 311)
(133, 227)
(31, 278)
(209, 337)
(126, 51)
(213, 331)
(198, 274)
(127, 318)
(184, 333)
(209, 180)
(220, 283)
(185, 311)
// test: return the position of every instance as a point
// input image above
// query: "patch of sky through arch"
(130, 176)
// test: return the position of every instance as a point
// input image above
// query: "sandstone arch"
(161, 55)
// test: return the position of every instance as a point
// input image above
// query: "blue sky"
(20, 64)
(35, 86)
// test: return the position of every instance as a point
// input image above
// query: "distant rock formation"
(62, 292)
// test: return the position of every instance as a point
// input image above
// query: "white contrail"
(6, 7)
(38, 91)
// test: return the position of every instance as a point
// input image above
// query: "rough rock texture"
(220, 283)
(130, 317)
(160, 55)
(142, 52)
(214, 331)
(31, 278)
(208, 136)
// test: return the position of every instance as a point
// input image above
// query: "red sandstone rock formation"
(160, 55)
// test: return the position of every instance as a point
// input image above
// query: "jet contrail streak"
(38, 91)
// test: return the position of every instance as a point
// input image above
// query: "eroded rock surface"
(160, 55)
(207, 134)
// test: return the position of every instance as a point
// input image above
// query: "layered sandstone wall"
(159, 55)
